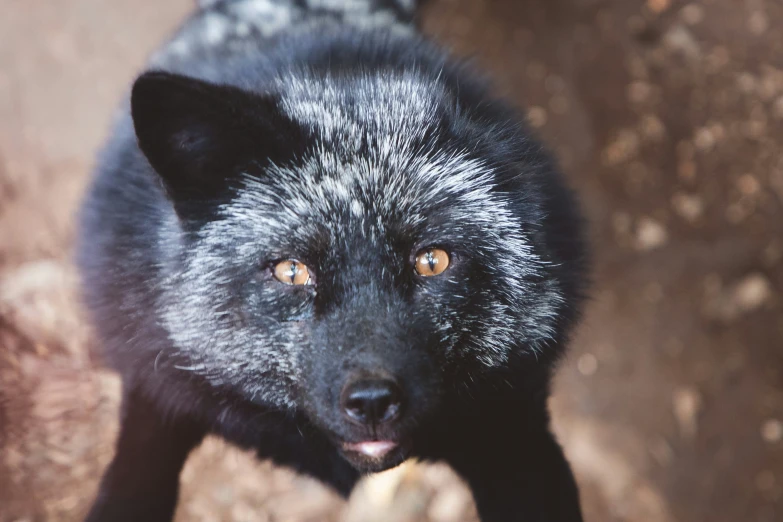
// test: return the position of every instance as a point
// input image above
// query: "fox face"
(357, 248)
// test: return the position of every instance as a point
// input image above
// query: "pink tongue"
(374, 448)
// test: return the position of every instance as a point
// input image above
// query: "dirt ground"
(668, 118)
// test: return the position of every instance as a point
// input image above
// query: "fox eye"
(292, 272)
(431, 262)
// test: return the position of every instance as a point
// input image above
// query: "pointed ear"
(200, 136)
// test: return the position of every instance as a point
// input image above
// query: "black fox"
(316, 235)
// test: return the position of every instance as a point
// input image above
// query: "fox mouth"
(374, 455)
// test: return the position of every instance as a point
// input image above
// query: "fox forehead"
(371, 155)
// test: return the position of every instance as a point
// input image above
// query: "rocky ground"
(667, 116)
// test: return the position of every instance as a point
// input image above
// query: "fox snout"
(372, 401)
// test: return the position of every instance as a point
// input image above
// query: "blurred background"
(667, 116)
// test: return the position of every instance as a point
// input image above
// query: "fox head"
(356, 247)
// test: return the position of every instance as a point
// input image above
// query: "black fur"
(176, 262)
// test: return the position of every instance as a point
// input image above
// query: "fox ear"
(200, 136)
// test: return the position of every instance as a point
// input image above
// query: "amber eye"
(431, 262)
(292, 272)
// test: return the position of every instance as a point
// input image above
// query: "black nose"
(371, 402)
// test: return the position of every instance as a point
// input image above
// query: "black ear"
(200, 136)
